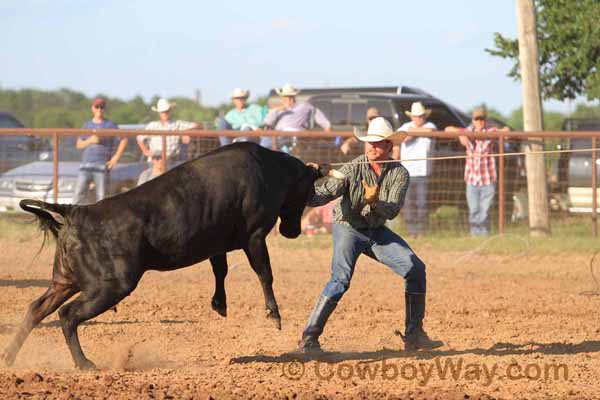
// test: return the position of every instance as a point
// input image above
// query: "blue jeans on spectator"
(222, 125)
(380, 244)
(86, 175)
(479, 199)
(415, 211)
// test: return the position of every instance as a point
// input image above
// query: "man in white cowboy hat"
(415, 209)
(292, 116)
(372, 191)
(151, 144)
(242, 117)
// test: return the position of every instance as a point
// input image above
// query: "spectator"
(175, 154)
(242, 117)
(155, 169)
(372, 113)
(415, 209)
(318, 219)
(96, 160)
(480, 172)
(292, 116)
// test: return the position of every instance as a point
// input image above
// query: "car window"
(358, 113)
(385, 109)
(339, 112)
(6, 121)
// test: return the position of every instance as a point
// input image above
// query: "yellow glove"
(371, 192)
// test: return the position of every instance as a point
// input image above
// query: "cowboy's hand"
(371, 192)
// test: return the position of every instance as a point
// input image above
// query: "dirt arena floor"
(514, 327)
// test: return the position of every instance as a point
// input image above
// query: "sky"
(124, 48)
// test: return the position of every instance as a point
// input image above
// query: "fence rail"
(502, 139)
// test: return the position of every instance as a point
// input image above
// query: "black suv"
(16, 150)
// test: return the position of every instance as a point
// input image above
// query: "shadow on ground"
(498, 349)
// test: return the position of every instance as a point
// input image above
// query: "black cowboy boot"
(415, 337)
(316, 324)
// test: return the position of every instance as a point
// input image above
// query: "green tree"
(568, 45)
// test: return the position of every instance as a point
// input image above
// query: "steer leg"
(87, 305)
(219, 300)
(258, 255)
(39, 309)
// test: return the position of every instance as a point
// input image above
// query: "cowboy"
(165, 123)
(243, 117)
(292, 116)
(415, 210)
(96, 160)
(480, 172)
(372, 191)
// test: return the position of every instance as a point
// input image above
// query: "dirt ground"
(514, 327)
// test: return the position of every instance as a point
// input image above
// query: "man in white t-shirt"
(415, 209)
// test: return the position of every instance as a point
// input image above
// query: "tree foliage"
(66, 108)
(568, 45)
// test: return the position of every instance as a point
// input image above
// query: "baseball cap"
(98, 101)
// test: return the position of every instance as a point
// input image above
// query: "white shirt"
(155, 142)
(416, 148)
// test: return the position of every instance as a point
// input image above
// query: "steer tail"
(46, 219)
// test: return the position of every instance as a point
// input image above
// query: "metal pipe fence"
(571, 161)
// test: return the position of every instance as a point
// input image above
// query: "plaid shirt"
(353, 210)
(479, 170)
(155, 142)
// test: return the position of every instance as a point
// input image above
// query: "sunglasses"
(157, 157)
(479, 119)
(371, 118)
(100, 107)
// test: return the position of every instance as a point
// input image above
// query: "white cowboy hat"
(287, 90)
(163, 105)
(379, 129)
(418, 109)
(240, 93)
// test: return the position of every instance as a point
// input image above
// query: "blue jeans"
(416, 214)
(84, 177)
(380, 244)
(479, 199)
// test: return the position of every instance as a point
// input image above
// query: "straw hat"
(379, 129)
(163, 105)
(417, 109)
(240, 93)
(287, 90)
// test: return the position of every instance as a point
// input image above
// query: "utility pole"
(539, 222)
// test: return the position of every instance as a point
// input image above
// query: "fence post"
(501, 185)
(594, 189)
(55, 167)
(163, 154)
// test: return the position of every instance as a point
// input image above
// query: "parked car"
(576, 168)
(17, 149)
(34, 180)
(346, 109)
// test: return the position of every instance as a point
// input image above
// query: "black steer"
(225, 200)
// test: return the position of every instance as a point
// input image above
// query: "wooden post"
(55, 167)
(594, 189)
(501, 203)
(539, 221)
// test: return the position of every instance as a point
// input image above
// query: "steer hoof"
(220, 308)
(86, 365)
(7, 358)
(275, 318)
